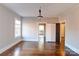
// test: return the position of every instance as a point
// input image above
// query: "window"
(17, 28)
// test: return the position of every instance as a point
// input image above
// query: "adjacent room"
(39, 29)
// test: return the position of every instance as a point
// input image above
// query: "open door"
(57, 33)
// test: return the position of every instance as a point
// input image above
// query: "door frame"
(42, 23)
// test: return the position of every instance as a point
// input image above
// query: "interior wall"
(50, 32)
(71, 18)
(30, 30)
(7, 27)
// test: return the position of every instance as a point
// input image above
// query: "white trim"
(29, 40)
(73, 48)
(8, 47)
(35, 40)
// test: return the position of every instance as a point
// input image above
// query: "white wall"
(7, 27)
(50, 32)
(71, 17)
(30, 29)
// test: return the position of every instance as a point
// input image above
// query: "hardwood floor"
(35, 49)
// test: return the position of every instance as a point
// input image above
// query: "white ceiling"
(31, 9)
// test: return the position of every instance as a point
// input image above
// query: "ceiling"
(31, 9)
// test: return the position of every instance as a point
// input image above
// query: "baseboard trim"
(37, 41)
(73, 48)
(29, 41)
(50, 41)
(8, 47)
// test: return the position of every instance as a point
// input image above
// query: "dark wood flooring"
(36, 49)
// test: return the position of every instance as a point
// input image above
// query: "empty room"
(39, 29)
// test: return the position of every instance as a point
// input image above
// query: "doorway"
(41, 36)
(42, 32)
(60, 33)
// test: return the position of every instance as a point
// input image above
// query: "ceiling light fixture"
(40, 16)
